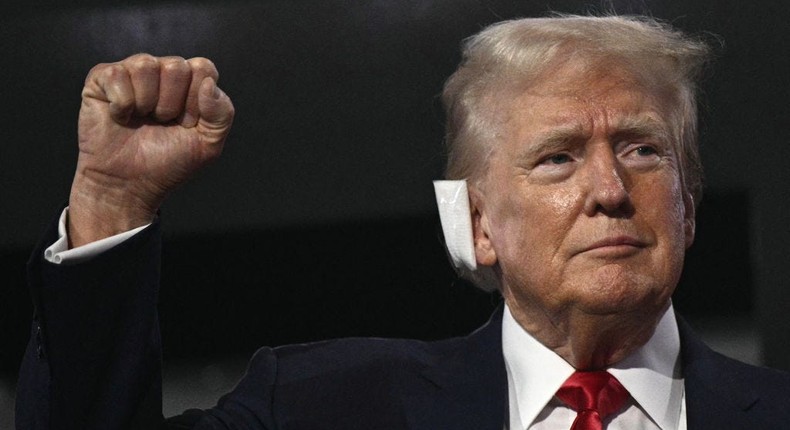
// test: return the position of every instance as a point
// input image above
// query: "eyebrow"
(643, 125)
(559, 137)
(553, 139)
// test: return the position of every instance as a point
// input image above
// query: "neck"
(588, 341)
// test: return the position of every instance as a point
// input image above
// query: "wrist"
(97, 212)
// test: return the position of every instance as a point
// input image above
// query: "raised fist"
(146, 125)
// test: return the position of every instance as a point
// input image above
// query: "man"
(576, 139)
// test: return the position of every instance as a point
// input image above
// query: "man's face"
(582, 206)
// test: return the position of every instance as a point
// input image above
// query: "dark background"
(319, 220)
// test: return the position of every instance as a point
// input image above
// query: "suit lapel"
(465, 387)
(718, 392)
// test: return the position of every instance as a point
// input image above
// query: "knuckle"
(106, 74)
(172, 58)
(200, 62)
(141, 63)
(174, 64)
(97, 69)
(141, 56)
(204, 65)
(113, 70)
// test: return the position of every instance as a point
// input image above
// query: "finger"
(202, 68)
(216, 111)
(144, 73)
(111, 84)
(175, 76)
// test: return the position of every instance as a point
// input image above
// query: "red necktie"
(593, 395)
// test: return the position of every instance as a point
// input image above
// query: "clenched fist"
(146, 125)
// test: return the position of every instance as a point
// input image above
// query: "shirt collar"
(651, 374)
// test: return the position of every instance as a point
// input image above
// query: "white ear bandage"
(452, 197)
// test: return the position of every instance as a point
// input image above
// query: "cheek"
(560, 203)
(668, 212)
(660, 199)
(531, 230)
(665, 215)
(554, 218)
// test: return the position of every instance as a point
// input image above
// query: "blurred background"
(319, 219)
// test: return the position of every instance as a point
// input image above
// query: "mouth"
(614, 246)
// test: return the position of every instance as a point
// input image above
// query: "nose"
(607, 191)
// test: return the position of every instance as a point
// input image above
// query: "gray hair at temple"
(509, 57)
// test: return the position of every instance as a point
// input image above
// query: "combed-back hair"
(506, 58)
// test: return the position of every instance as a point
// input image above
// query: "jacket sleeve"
(94, 356)
(249, 406)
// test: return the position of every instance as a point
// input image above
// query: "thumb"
(216, 109)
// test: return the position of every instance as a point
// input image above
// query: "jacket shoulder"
(352, 356)
(722, 392)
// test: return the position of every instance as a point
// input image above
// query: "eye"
(558, 159)
(554, 167)
(642, 155)
(645, 151)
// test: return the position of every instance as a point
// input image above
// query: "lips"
(615, 245)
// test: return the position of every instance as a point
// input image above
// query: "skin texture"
(582, 214)
(146, 125)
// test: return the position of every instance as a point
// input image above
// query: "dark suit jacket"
(93, 362)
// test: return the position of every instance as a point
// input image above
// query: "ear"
(484, 250)
(689, 219)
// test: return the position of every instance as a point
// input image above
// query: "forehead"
(576, 99)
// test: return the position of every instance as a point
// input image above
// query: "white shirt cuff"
(59, 252)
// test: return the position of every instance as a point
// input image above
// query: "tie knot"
(596, 391)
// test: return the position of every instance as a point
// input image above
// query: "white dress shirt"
(651, 375)
(59, 252)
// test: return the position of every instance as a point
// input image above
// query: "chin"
(617, 290)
